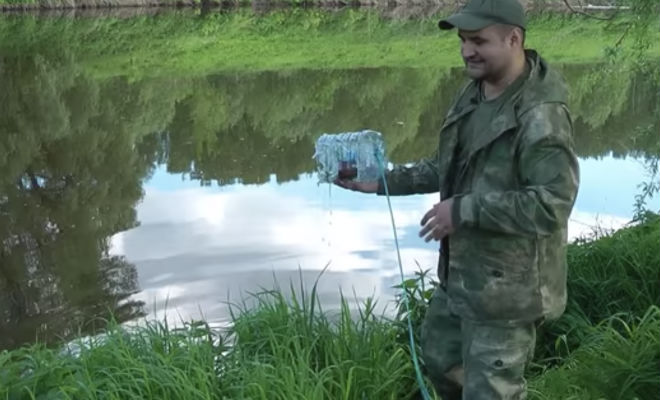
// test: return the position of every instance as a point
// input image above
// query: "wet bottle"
(358, 156)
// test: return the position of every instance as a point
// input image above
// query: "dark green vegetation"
(610, 333)
(286, 347)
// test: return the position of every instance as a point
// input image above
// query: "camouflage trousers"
(493, 357)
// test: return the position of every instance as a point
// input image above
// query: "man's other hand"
(437, 222)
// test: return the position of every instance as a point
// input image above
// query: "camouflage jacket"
(506, 261)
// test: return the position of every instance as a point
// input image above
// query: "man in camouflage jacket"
(508, 177)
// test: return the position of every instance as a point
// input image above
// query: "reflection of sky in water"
(198, 247)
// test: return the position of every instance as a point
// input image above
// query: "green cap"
(478, 14)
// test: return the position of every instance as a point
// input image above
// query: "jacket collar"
(542, 85)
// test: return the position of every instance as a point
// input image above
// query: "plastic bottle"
(359, 156)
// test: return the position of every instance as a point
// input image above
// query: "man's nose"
(467, 50)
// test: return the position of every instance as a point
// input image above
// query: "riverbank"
(606, 345)
(180, 43)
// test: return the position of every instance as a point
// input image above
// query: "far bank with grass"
(189, 44)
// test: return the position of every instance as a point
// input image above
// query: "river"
(163, 195)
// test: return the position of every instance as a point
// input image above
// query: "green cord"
(413, 351)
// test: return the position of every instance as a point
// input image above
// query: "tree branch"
(573, 10)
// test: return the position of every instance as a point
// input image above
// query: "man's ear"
(516, 37)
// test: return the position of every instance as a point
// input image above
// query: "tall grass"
(615, 275)
(291, 350)
(149, 362)
(286, 347)
(607, 343)
(281, 350)
(616, 360)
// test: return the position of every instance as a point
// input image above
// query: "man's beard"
(479, 69)
(476, 68)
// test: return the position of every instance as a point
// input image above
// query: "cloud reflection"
(198, 247)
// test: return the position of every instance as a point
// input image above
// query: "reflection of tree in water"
(73, 162)
(248, 126)
(617, 109)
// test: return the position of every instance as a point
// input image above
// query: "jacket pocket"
(496, 292)
(511, 253)
(500, 358)
(502, 349)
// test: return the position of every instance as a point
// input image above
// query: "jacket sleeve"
(548, 173)
(420, 177)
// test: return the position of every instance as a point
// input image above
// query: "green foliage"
(17, 2)
(418, 289)
(147, 362)
(282, 349)
(292, 350)
(623, 265)
(649, 189)
(616, 360)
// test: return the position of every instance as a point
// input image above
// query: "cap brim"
(464, 21)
